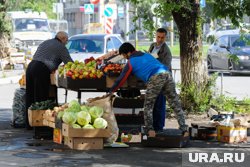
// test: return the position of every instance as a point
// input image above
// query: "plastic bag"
(18, 108)
(106, 102)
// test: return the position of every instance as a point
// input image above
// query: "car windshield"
(88, 44)
(241, 41)
(227, 27)
(27, 24)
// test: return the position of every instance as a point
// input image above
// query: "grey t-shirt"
(52, 53)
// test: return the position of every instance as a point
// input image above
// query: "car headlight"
(243, 57)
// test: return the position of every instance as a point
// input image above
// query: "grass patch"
(175, 50)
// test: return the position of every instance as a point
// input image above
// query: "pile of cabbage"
(87, 117)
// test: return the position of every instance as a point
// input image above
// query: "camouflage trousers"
(164, 83)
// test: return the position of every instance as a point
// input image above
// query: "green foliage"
(198, 100)
(223, 103)
(4, 25)
(234, 58)
(35, 5)
(201, 101)
(234, 9)
(229, 104)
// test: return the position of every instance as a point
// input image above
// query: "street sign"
(108, 12)
(94, 1)
(203, 3)
(89, 8)
(120, 11)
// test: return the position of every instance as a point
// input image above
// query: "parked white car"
(83, 46)
(224, 30)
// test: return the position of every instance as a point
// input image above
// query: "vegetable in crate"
(69, 118)
(83, 118)
(76, 126)
(88, 126)
(100, 123)
(95, 112)
(43, 105)
(74, 106)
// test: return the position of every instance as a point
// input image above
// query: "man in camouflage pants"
(158, 78)
(164, 83)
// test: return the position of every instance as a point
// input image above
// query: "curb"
(10, 80)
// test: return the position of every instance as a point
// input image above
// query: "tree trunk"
(193, 70)
(4, 33)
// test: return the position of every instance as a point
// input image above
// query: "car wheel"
(231, 67)
(209, 65)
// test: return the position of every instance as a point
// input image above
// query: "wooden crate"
(49, 120)
(48, 123)
(36, 117)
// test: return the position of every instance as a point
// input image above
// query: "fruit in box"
(22, 81)
(80, 70)
(113, 68)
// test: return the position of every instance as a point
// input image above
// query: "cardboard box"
(57, 136)
(132, 82)
(36, 117)
(53, 79)
(68, 131)
(85, 143)
(111, 80)
(131, 138)
(229, 134)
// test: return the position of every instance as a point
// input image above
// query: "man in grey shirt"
(161, 51)
(49, 55)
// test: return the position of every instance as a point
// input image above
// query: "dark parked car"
(230, 52)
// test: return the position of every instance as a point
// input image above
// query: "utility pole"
(127, 21)
(172, 33)
(136, 35)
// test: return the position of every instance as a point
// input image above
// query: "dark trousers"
(37, 85)
(159, 112)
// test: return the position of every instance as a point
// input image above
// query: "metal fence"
(221, 74)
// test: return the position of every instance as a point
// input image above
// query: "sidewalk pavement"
(19, 148)
(10, 76)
